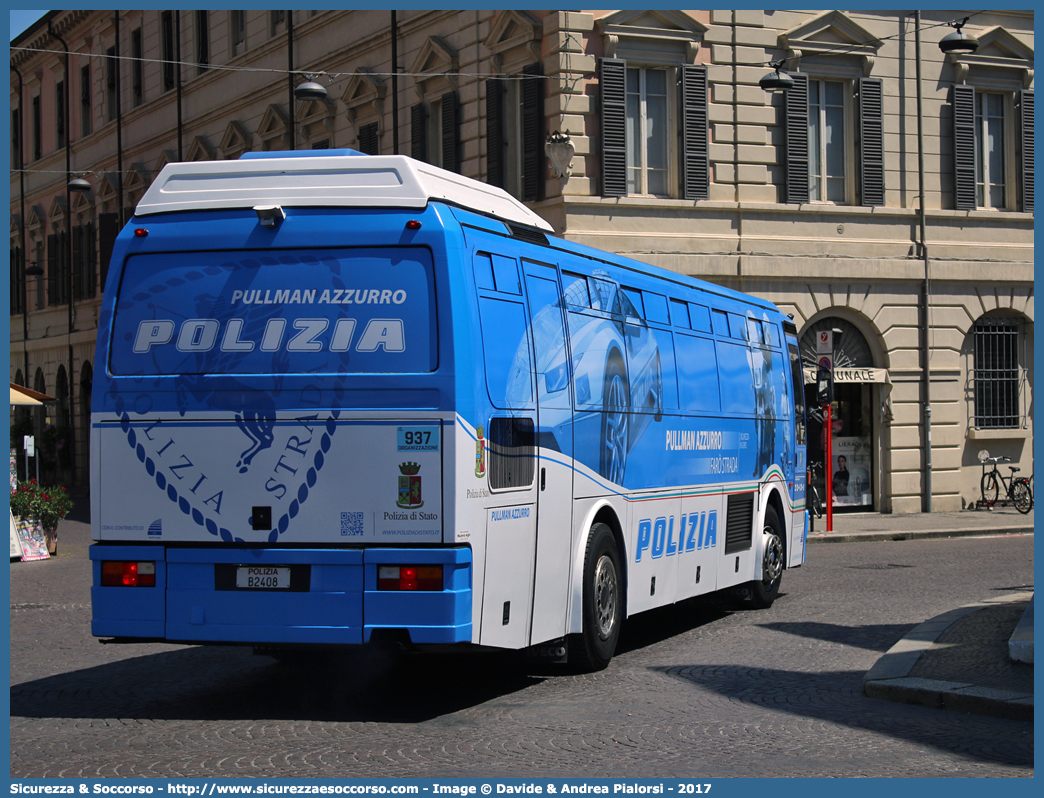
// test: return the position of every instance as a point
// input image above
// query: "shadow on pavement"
(226, 683)
(873, 638)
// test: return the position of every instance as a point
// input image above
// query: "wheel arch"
(601, 512)
(773, 497)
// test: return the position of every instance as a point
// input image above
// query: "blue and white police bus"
(349, 399)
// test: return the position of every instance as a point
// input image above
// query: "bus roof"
(325, 181)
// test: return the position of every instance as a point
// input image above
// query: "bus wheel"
(602, 611)
(764, 591)
(614, 423)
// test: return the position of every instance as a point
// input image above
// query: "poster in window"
(850, 471)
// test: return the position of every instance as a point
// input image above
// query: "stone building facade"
(668, 150)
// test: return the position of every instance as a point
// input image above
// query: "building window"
(435, 132)
(111, 65)
(59, 113)
(85, 100)
(826, 140)
(368, 140)
(324, 144)
(237, 22)
(998, 377)
(17, 280)
(648, 144)
(643, 116)
(993, 149)
(276, 22)
(83, 261)
(202, 41)
(169, 57)
(515, 134)
(989, 150)
(37, 130)
(137, 80)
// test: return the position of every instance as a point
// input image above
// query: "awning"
(25, 396)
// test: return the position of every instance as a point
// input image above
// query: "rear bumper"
(340, 603)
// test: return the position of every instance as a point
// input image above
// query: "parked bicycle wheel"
(990, 489)
(1021, 496)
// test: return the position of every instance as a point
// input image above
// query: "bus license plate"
(262, 577)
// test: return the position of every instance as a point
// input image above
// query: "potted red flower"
(44, 505)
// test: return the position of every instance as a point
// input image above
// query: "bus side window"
(506, 346)
(721, 323)
(505, 274)
(655, 307)
(484, 271)
(737, 326)
(697, 374)
(635, 298)
(700, 316)
(575, 290)
(668, 367)
(680, 314)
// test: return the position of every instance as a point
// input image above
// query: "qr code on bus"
(351, 524)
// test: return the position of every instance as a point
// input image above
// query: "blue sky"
(20, 20)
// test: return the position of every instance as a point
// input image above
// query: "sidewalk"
(977, 658)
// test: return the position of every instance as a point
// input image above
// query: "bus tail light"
(409, 577)
(128, 574)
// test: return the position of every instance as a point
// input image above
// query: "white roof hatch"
(325, 181)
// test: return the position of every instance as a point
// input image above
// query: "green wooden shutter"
(419, 132)
(1026, 150)
(795, 107)
(871, 141)
(52, 269)
(368, 142)
(533, 163)
(964, 148)
(450, 132)
(495, 132)
(695, 139)
(612, 78)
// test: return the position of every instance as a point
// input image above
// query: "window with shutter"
(532, 138)
(612, 76)
(108, 229)
(419, 132)
(871, 141)
(695, 126)
(495, 90)
(368, 141)
(795, 108)
(1026, 151)
(450, 132)
(964, 147)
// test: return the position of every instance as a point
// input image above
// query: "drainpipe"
(68, 230)
(177, 67)
(927, 286)
(21, 224)
(395, 83)
(290, 76)
(119, 126)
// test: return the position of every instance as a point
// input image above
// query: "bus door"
(554, 476)
(796, 464)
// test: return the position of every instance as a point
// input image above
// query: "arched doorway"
(853, 452)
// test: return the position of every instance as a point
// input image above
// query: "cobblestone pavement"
(696, 690)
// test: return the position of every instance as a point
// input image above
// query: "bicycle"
(1017, 489)
(814, 502)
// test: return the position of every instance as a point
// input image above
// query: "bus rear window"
(277, 312)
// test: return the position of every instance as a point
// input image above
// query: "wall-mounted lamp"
(958, 42)
(560, 150)
(776, 80)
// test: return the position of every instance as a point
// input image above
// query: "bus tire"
(602, 613)
(615, 418)
(764, 591)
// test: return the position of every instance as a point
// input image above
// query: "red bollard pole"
(829, 470)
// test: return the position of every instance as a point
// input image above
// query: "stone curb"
(1020, 647)
(869, 537)
(889, 679)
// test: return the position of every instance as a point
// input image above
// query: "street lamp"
(310, 90)
(959, 42)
